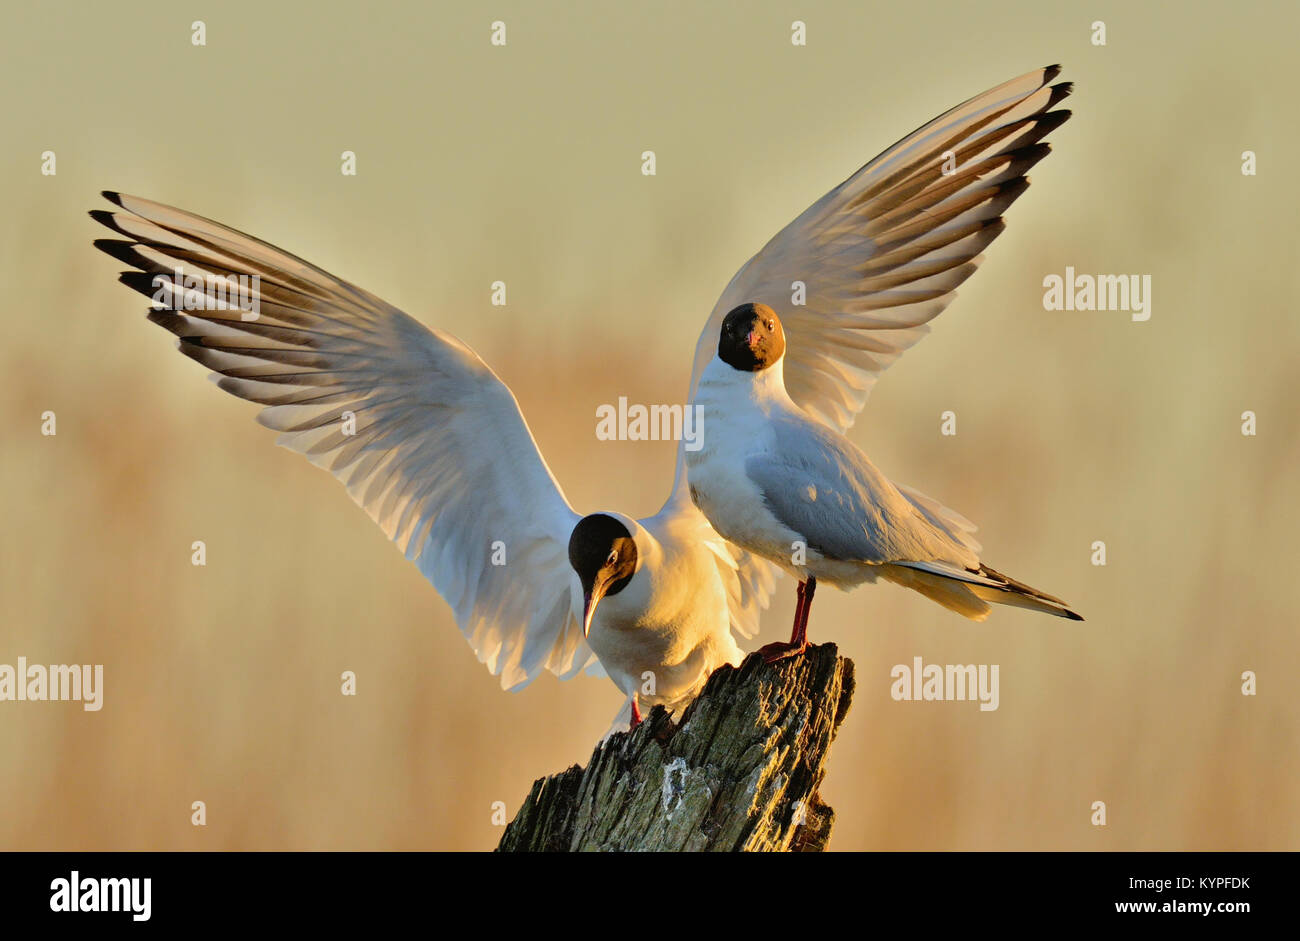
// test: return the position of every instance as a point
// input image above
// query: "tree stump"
(740, 771)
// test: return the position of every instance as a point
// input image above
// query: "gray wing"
(825, 489)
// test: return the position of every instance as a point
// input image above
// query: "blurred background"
(477, 163)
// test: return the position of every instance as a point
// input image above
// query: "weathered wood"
(740, 772)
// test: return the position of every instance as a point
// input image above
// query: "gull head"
(603, 553)
(752, 338)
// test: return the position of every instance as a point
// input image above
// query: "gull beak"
(589, 601)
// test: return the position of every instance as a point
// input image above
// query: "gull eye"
(770, 325)
(613, 558)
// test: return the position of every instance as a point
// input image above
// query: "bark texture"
(740, 772)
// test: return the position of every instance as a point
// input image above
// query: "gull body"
(776, 481)
(751, 421)
(664, 626)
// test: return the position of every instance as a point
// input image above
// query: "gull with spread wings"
(433, 446)
(881, 254)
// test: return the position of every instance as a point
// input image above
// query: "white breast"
(670, 628)
(736, 408)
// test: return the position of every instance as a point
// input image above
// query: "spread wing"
(881, 254)
(426, 438)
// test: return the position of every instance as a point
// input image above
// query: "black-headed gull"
(433, 446)
(880, 256)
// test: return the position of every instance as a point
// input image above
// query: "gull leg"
(798, 629)
(799, 634)
(636, 714)
(800, 638)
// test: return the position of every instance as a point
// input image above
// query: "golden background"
(522, 163)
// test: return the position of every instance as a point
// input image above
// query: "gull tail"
(970, 592)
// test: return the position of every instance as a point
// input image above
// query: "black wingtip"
(1072, 616)
(121, 250)
(1050, 72)
(1059, 93)
(113, 197)
(141, 281)
(103, 217)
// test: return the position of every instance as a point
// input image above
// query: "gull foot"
(781, 650)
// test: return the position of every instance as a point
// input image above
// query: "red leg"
(799, 634)
(636, 715)
(801, 606)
